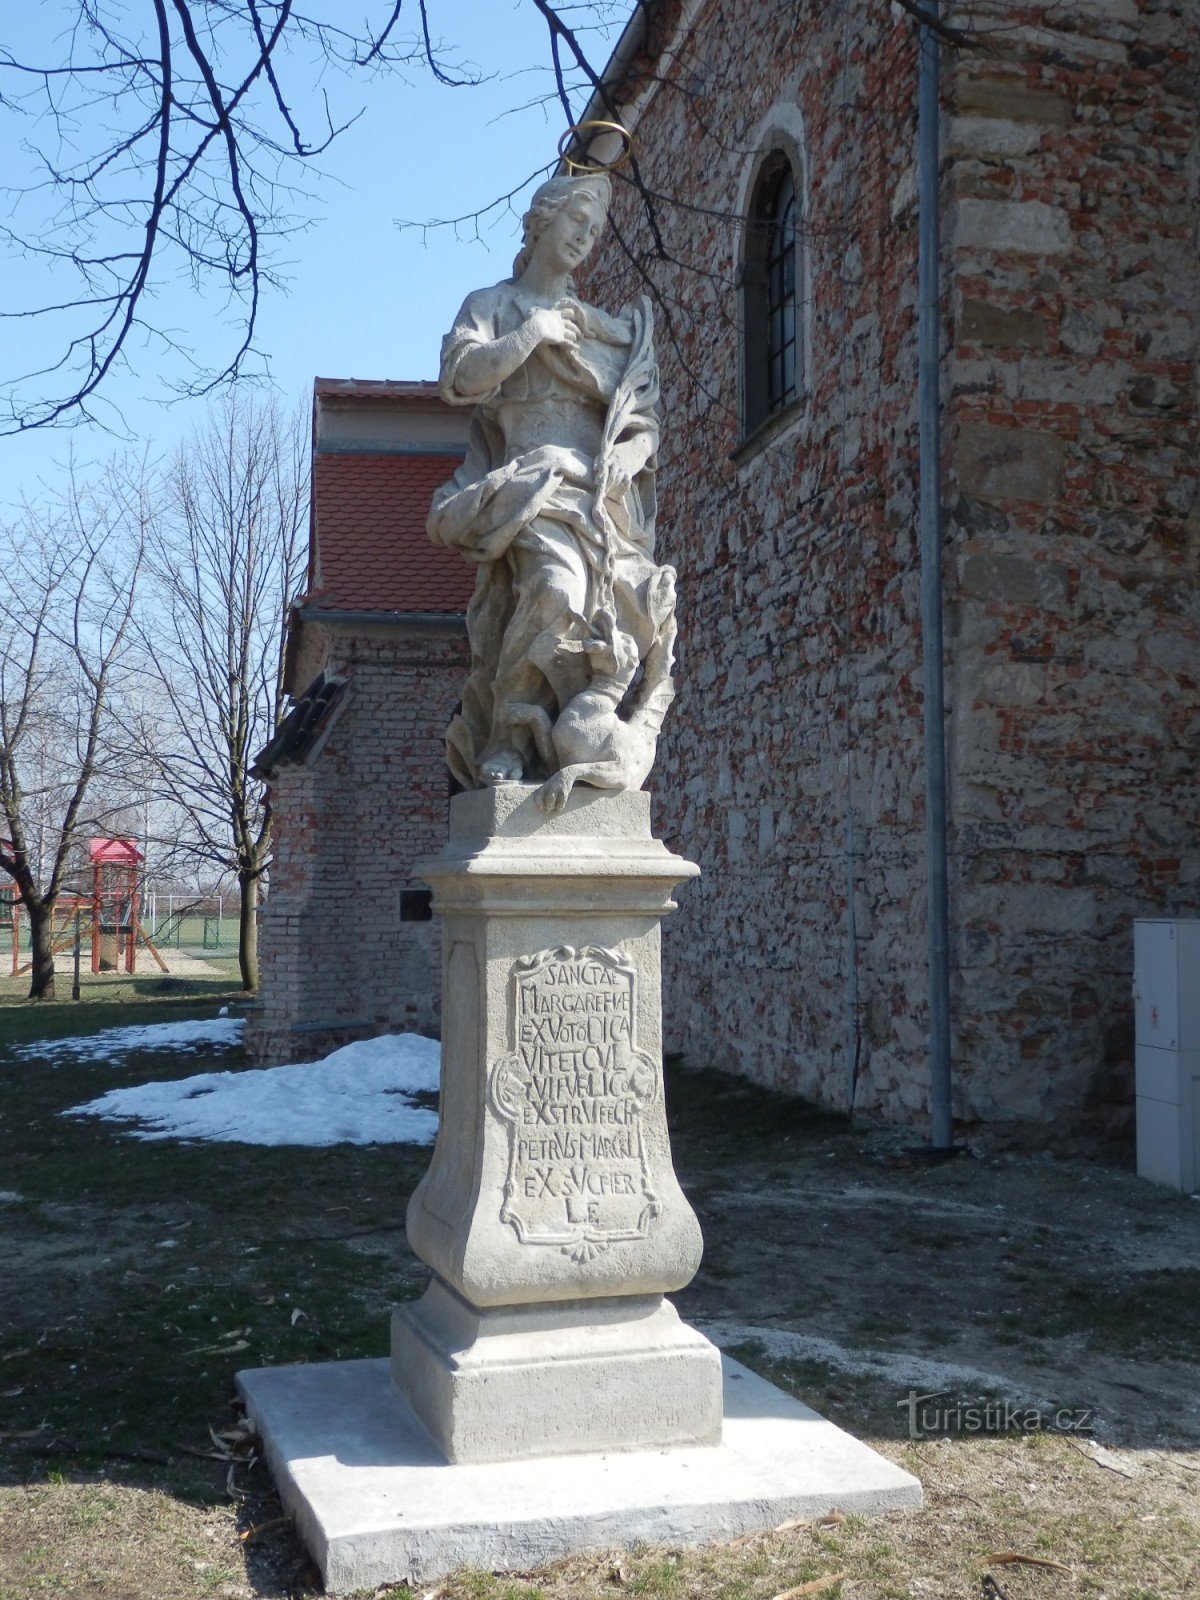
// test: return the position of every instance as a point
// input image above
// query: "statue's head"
(572, 212)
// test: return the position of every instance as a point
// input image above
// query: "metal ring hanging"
(576, 168)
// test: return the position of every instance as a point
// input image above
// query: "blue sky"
(364, 299)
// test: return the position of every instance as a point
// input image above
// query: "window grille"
(781, 295)
(772, 283)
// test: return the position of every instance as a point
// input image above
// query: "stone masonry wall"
(337, 960)
(791, 765)
(1075, 528)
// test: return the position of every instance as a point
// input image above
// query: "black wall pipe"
(929, 406)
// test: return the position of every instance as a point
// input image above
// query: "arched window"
(772, 272)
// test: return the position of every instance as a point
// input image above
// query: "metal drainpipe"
(929, 404)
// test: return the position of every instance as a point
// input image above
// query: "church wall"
(791, 764)
(1075, 528)
(338, 961)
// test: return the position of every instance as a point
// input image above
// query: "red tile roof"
(371, 549)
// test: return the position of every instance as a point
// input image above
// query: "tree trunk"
(41, 933)
(248, 933)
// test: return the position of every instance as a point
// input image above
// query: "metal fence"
(193, 930)
(190, 931)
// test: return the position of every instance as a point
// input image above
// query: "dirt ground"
(1051, 1284)
(137, 1277)
(180, 964)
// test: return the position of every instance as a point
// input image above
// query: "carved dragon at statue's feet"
(591, 742)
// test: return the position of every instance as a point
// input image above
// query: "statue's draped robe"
(549, 557)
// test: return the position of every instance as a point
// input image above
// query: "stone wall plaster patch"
(573, 1095)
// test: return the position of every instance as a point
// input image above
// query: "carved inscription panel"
(574, 1095)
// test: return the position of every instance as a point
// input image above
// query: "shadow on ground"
(139, 1276)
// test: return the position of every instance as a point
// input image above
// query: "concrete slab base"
(375, 1502)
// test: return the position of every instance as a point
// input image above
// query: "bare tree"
(169, 139)
(65, 610)
(224, 558)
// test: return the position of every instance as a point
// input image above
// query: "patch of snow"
(896, 1366)
(8, 1197)
(111, 1044)
(361, 1094)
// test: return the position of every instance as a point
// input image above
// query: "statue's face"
(571, 233)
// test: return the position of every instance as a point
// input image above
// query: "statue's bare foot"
(504, 767)
(555, 792)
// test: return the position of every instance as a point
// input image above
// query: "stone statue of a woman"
(571, 624)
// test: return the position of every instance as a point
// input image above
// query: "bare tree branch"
(169, 138)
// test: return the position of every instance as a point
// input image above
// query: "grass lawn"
(138, 1276)
(111, 999)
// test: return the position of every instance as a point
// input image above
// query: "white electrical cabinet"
(1166, 1010)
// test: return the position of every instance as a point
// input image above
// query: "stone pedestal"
(570, 1376)
(543, 1398)
(550, 1212)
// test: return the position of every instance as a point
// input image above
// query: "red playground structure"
(111, 911)
(115, 887)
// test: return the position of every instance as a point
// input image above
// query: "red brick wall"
(337, 961)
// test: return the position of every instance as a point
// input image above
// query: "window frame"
(766, 405)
